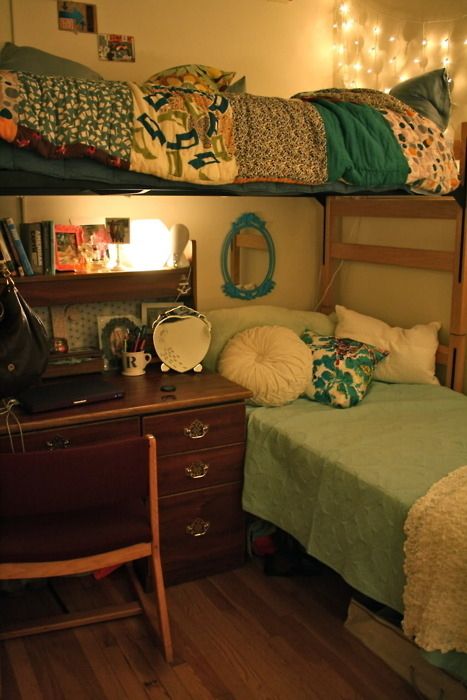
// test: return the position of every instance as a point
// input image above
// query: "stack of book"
(28, 249)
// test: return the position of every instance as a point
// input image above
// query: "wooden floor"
(238, 636)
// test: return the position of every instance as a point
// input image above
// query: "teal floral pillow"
(342, 369)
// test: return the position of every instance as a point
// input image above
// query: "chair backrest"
(77, 478)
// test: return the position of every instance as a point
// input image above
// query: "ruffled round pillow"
(271, 361)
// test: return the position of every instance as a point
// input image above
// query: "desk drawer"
(72, 436)
(198, 470)
(186, 431)
(202, 532)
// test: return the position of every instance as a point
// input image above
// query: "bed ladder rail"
(454, 262)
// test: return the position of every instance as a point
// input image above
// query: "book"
(31, 237)
(19, 246)
(12, 248)
(5, 257)
(48, 246)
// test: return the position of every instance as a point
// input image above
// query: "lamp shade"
(150, 244)
(179, 238)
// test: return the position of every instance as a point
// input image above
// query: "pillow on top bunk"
(193, 75)
(342, 369)
(271, 361)
(428, 94)
(238, 87)
(412, 351)
(225, 323)
(28, 59)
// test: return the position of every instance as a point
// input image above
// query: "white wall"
(277, 45)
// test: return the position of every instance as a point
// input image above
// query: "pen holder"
(134, 363)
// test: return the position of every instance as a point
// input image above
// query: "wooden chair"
(80, 510)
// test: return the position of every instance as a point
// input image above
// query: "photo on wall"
(116, 47)
(77, 17)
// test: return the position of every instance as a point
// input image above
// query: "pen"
(137, 338)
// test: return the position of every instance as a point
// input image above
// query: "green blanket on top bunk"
(360, 137)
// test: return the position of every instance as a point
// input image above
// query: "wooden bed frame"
(448, 208)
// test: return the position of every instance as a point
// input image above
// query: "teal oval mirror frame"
(234, 241)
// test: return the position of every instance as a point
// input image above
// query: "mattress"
(24, 171)
(342, 481)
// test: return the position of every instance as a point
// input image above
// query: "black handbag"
(24, 345)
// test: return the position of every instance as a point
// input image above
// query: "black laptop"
(68, 393)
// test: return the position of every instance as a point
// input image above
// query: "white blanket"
(435, 594)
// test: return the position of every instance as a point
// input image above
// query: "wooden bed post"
(458, 329)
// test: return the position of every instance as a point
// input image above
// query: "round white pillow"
(271, 361)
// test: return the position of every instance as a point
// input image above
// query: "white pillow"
(225, 323)
(271, 361)
(412, 351)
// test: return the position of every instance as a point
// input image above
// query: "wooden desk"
(200, 432)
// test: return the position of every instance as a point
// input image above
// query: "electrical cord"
(7, 409)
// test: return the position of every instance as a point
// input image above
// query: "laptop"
(68, 393)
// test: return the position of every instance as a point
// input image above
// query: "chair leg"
(148, 604)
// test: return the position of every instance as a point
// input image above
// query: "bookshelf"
(72, 288)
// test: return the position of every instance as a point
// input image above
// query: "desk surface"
(143, 395)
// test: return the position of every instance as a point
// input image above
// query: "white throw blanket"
(435, 594)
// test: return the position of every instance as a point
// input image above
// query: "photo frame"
(151, 310)
(68, 240)
(118, 229)
(77, 16)
(112, 333)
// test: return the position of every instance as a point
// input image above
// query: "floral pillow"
(342, 369)
(193, 75)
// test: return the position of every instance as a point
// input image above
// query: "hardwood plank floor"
(240, 635)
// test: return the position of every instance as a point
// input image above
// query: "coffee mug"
(134, 363)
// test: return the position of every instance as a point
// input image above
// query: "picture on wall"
(116, 47)
(77, 16)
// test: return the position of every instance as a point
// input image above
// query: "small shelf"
(69, 288)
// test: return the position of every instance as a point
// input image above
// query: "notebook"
(68, 393)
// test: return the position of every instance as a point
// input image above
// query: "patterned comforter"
(360, 137)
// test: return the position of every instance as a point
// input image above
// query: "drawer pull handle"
(198, 527)
(58, 443)
(196, 430)
(196, 470)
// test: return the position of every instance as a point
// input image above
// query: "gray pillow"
(27, 59)
(428, 94)
(238, 87)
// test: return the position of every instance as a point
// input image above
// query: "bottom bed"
(342, 481)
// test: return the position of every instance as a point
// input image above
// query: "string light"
(416, 45)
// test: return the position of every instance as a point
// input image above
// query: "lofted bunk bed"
(342, 482)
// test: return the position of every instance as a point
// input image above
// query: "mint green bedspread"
(342, 481)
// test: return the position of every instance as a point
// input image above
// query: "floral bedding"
(360, 137)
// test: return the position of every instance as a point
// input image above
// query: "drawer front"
(198, 429)
(73, 436)
(202, 532)
(199, 470)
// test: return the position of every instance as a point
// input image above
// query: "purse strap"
(6, 274)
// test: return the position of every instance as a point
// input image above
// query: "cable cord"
(7, 410)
